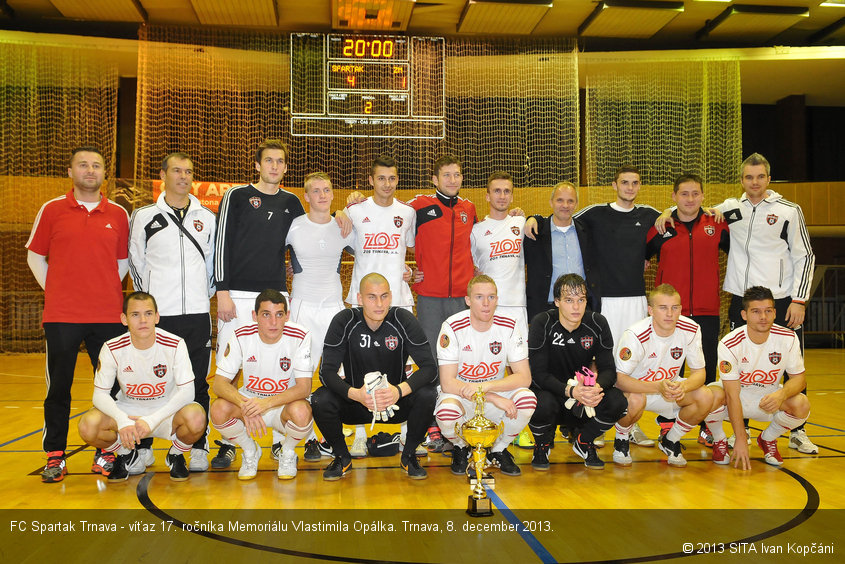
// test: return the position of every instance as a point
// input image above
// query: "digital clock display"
(386, 48)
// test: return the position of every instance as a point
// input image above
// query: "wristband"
(398, 389)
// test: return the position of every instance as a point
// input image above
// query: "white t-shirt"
(643, 355)
(316, 249)
(382, 236)
(497, 252)
(759, 368)
(480, 356)
(268, 369)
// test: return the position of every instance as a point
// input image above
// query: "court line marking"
(535, 545)
(36, 431)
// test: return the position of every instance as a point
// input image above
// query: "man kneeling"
(156, 393)
(275, 357)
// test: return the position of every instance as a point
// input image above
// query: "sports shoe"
(705, 437)
(178, 469)
(122, 462)
(673, 451)
(732, 438)
(249, 464)
(460, 459)
(665, 427)
(336, 469)
(622, 452)
(770, 451)
(312, 451)
(225, 456)
(598, 442)
(436, 441)
(199, 459)
(720, 452)
(103, 462)
(540, 460)
(287, 465)
(358, 448)
(799, 440)
(147, 457)
(276, 450)
(138, 464)
(411, 465)
(639, 438)
(504, 461)
(525, 439)
(56, 467)
(565, 433)
(587, 451)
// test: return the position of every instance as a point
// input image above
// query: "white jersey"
(382, 237)
(480, 356)
(497, 252)
(316, 249)
(759, 368)
(268, 369)
(644, 355)
(154, 383)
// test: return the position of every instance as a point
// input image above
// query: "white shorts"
(491, 412)
(751, 403)
(164, 430)
(621, 313)
(244, 306)
(657, 404)
(316, 316)
(518, 313)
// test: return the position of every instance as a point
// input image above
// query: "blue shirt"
(566, 254)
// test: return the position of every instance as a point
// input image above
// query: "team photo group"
(550, 316)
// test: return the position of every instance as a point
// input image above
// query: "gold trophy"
(479, 433)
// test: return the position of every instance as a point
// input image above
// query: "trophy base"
(487, 480)
(479, 507)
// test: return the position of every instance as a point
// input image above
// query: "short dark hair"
(272, 296)
(572, 282)
(499, 175)
(445, 160)
(756, 293)
(383, 160)
(271, 144)
(165, 162)
(688, 177)
(755, 159)
(626, 168)
(88, 149)
(139, 297)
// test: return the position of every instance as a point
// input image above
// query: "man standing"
(474, 349)
(153, 370)
(374, 338)
(561, 246)
(274, 357)
(80, 232)
(752, 360)
(561, 343)
(171, 256)
(648, 361)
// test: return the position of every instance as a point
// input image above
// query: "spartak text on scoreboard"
(367, 86)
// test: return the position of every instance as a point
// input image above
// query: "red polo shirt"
(82, 250)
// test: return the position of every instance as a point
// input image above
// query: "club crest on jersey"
(515, 230)
(586, 342)
(255, 201)
(464, 217)
(676, 352)
(709, 230)
(398, 221)
(198, 226)
(391, 342)
(625, 353)
(774, 357)
(725, 367)
(444, 341)
(496, 347)
(160, 370)
(284, 363)
(771, 219)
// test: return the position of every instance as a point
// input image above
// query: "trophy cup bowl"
(479, 433)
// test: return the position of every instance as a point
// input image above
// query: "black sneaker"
(178, 469)
(276, 450)
(587, 451)
(672, 451)
(460, 456)
(411, 465)
(122, 462)
(540, 461)
(312, 451)
(55, 469)
(622, 452)
(225, 456)
(337, 469)
(504, 460)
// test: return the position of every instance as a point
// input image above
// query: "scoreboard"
(367, 86)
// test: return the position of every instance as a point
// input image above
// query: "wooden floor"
(568, 514)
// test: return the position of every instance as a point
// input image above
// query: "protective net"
(52, 99)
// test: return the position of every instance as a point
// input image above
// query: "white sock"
(234, 430)
(781, 423)
(678, 430)
(714, 423)
(294, 434)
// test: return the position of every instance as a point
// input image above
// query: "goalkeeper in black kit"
(570, 350)
(373, 343)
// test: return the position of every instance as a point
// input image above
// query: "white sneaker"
(799, 440)
(199, 460)
(639, 438)
(139, 463)
(147, 455)
(598, 442)
(359, 448)
(287, 465)
(673, 452)
(622, 452)
(732, 438)
(249, 464)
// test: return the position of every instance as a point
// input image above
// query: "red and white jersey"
(147, 378)
(382, 236)
(268, 369)
(644, 355)
(480, 356)
(760, 367)
(497, 252)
